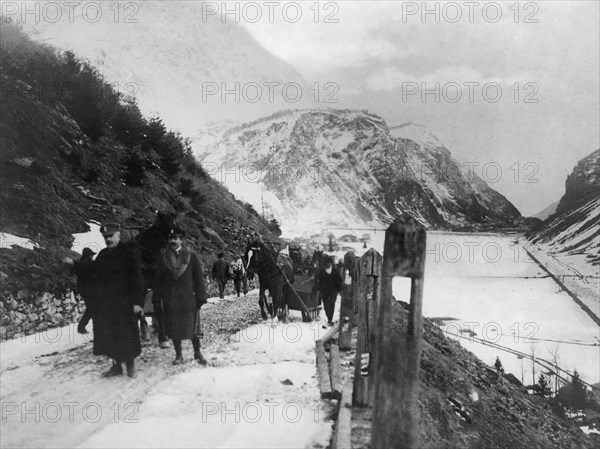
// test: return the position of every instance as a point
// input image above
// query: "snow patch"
(92, 239)
(10, 241)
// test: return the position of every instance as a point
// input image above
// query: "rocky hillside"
(316, 168)
(80, 159)
(575, 226)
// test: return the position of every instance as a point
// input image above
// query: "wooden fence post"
(369, 267)
(346, 307)
(373, 271)
(361, 380)
(398, 351)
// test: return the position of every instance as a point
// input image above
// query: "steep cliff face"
(582, 184)
(575, 227)
(315, 168)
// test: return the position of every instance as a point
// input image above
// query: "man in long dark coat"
(180, 286)
(221, 273)
(86, 285)
(119, 299)
(329, 284)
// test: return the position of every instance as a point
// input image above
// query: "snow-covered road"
(261, 391)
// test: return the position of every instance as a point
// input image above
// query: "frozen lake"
(489, 285)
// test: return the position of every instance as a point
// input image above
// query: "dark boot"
(131, 372)
(160, 324)
(178, 357)
(115, 370)
(197, 354)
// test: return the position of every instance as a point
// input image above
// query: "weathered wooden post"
(369, 268)
(398, 351)
(373, 271)
(346, 307)
(361, 380)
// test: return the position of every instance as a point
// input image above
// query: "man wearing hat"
(119, 299)
(86, 280)
(221, 273)
(329, 284)
(179, 285)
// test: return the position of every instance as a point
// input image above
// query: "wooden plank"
(323, 370)
(362, 356)
(335, 367)
(330, 333)
(342, 437)
(398, 353)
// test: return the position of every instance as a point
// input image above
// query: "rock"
(13, 304)
(22, 294)
(212, 235)
(3, 277)
(70, 298)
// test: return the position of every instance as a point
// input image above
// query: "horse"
(147, 245)
(271, 270)
(151, 242)
(318, 260)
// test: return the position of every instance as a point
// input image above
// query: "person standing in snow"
(221, 273)
(119, 300)
(179, 284)
(239, 276)
(329, 284)
(86, 280)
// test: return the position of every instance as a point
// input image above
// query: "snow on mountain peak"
(314, 169)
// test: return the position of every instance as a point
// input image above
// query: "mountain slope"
(575, 227)
(61, 170)
(547, 211)
(174, 58)
(315, 168)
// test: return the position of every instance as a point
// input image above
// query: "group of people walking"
(222, 271)
(112, 288)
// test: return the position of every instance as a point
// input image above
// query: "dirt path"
(260, 390)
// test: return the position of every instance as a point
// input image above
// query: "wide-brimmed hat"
(110, 227)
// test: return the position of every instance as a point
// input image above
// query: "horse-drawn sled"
(287, 290)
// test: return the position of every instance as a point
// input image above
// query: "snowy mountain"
(168, 54)
(547, 211)
(575, 228)
(314, 169)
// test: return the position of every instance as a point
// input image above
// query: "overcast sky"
(382, 55)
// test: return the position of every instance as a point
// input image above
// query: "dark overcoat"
(329, 284)
(180, 286)
(221, 270)
(86, 280)
(119, 288)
